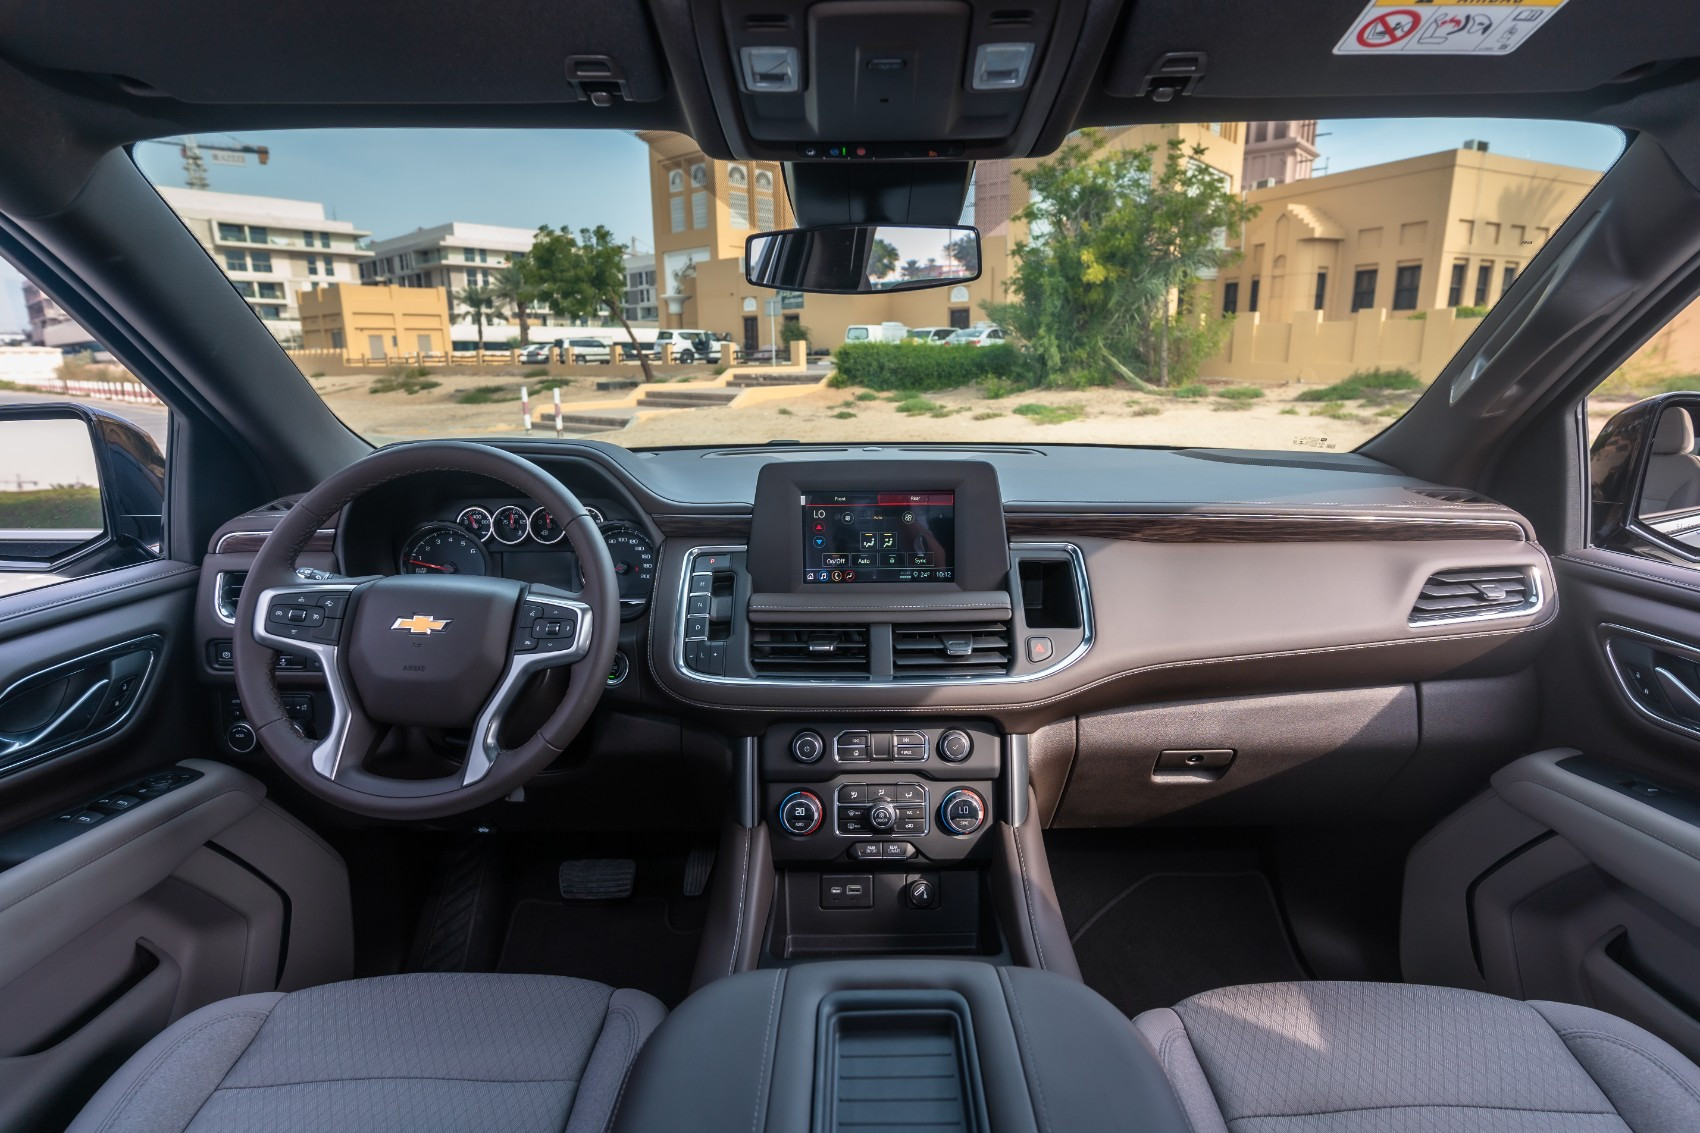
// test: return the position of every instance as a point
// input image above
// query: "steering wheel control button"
(962, 812)
(955, 746)
(922, 893)
(807, 747)
(882, 817)
(800, 813)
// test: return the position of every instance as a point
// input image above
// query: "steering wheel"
(436, 651)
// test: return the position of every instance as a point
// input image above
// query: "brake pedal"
(598, 879)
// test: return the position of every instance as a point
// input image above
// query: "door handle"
(1683, 699)
(48, 733)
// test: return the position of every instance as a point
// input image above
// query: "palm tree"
(483, 303)
(512, 290)
(882, 259)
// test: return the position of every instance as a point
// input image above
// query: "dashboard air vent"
(1477, 593)
(809, 651)
(230, 593)
(950, 650)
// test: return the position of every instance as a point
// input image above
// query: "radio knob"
(963, 811)
(806, 747)
(882, 816)
(800, 813)
(955, 746)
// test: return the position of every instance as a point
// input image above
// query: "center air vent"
(230, 593)
(809, 651)
(956, 649)
(1483, 592)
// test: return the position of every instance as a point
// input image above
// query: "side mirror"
(1644, 470)
(860, 259)
(80, 490)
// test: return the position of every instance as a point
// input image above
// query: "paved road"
(152, 418)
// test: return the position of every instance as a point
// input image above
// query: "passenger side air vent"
(230, 592)
(1484, 592)
(950, 650)
(809, 651)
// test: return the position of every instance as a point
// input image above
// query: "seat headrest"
(1675, 434)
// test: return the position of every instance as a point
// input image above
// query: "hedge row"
(919, 366)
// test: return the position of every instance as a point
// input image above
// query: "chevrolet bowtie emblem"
(422, 624)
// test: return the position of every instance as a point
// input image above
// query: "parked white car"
(590, 350)
(987, 335)
(538, 352)
(689, 345)
(875, 332)
(934, 335)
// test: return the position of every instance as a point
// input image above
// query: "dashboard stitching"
(1109, 678)
(743, 882)
(66, 600)
(1615, 569)
(1027, 895)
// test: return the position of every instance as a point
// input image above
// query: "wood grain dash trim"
(1207, 527)
(718, 527)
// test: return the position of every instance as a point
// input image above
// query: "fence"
(1308, 348)
(46, 370)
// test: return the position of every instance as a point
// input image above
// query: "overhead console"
(906, 80)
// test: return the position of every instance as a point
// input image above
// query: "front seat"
(1399, 1058)
(454, 1051)
(1673, 471)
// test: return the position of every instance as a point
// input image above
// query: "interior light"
(771, 70)
(1001, 66)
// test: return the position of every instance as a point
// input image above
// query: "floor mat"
(648, 943)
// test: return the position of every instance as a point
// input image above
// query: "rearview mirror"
(857, 259)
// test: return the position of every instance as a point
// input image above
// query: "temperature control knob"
(882, 816)
(963, 811)
(955, 746)
(806, 747)
(800, 813)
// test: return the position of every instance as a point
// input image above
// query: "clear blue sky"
(393, 181)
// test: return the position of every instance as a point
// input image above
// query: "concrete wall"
(1307, 348)
(406, 320)
(29, 365)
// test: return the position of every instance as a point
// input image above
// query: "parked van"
(689, 345)
(880, 332)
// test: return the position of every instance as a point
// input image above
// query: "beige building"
(273, 249)
(1278, 152)
(376, 321)
(452, 256)
(1450, 229)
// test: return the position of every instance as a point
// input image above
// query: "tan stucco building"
(1446, 229)
(376, 321)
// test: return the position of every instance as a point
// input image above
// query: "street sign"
(771, 307)
(791, 300)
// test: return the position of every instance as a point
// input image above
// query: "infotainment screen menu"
(879, 536)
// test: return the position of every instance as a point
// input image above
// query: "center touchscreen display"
(879, 536)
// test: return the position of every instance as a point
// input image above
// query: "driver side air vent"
(1483, 592)
(809, 651)
(949, 650)
(230, 593)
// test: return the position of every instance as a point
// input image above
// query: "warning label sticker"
(1461, 27)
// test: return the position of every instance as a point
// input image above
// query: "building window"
(307, 239)
(1230, 297)
(737, 176)
(699, 210)
(1484, 276)
(312, 265)
(764, 181)
(258, 235)
(1407, 278)
(739, 204)
(245, 288)
(1321, 299)
(261, 261)
(336, 340)
(1507, 278)
(232, 232)
(1363, 289)
(468, 255)
(1251, 299)
(270, 290)
(677, 209)
(1455, 289)
(483, 256)
(324, 239)
(764, 213)
(270, 312)
(236, 261)
(699, 175)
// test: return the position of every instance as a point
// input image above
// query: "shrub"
(1469, 312)
(535, 372)
(794, 332)
(995, 387)
(916, 367)
(867, 395)
(1144, 409)
(1050, 414)
(1333, 409)
(915, 405)
(317, 374)
(1371, 385)
(404, 379)
(1240, 393)
(785, 412)
(1190, 390)
(987, 414)
(486, 395)
(844, 415)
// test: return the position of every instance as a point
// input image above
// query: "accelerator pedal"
(697, 868)
(598, 879)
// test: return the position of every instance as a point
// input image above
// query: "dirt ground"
(1277, 420)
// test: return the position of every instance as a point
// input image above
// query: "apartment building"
(453, 256)
(639, 303)
(272, 248)
(49, 325)
(1449, 229)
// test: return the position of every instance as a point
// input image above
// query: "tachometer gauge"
(477, 521)
(634, 564)
(543, 527)
(510, 524)
(443, 548)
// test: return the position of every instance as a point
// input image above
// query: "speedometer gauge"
(443, 548)
(510, 524)
(634, 564)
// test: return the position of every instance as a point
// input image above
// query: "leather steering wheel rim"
(274, 569)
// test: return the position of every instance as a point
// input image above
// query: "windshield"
(1273, 285)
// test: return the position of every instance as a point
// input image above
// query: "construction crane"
(194, 164)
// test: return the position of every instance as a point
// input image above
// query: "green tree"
(1112, 273)
(794, 332)
(513, 291)
(965, 250)
(580, 276)
(484, 305)
(882, 260)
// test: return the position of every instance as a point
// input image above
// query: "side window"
(82, 462)
(1645, 459)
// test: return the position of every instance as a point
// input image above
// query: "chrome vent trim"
(227, 592)
(809, 651)
(1473, 594)
(951, 651)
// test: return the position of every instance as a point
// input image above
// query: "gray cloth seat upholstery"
(1398, 1058)
(453, 1051)
(1672, 482)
